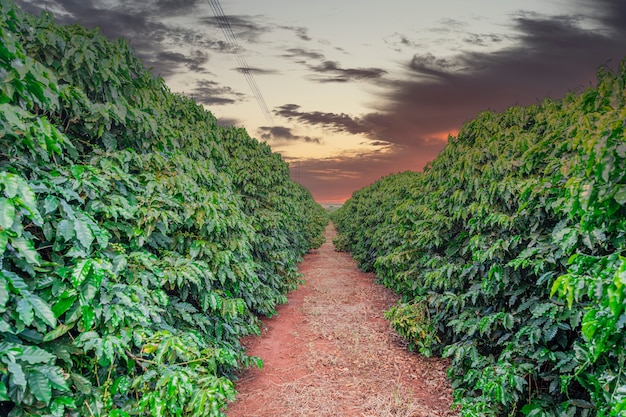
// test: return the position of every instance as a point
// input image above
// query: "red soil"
(330, 352)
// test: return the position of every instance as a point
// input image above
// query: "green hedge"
(508, 251)
(138, 240)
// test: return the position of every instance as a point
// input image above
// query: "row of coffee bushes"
(508, 251)
(138, 240)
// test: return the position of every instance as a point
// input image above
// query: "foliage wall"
(139, 241)
(508, 251)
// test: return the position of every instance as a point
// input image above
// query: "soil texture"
(330, 352)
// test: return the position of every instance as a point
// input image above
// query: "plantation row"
(138, 240)
(508, 251)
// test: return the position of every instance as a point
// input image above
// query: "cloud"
(212, 94)
(284, 133)
(175, 7)
(330, 71)
(301, 32)
(399, 42)
(609, 13)
(341, 122)
(545, 56)
(450, 25)
(299, 55)
(550, 56)
(256, 71)
(247, 29)
(432, 67)
(333, 73)
(379, 143)
(194, 61)
(163, 47)
(483, 39)
(228, 121)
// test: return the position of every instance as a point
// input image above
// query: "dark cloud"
(212, 94)
(228, 121)
(483, 39)
(300, 55)
(332, 121)
(429, 66)
(333, 73)
(175, 7)
(195, 61)
(142, 25)
(610, 13)
(379, 143)
(548, 56)
(247, 29)
(301, 33)
(284, 133)
(551, 56)
(256, 71)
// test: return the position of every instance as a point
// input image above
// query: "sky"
(349, 91)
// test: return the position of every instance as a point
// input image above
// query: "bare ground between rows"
(330, 352)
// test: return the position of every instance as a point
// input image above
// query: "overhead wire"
(244, 68)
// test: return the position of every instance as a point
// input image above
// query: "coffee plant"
(139, 241)
(508, 251)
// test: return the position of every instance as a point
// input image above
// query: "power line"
(244, 68)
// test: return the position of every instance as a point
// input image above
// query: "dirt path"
(330, 352)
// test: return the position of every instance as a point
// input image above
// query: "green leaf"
(102, 236)
(63, 305)
(86, 336)
(5, 327)
(10, 183)
(81, 272)
(55, 375)
(4, 395)
(59, 331)
(26, 250)
(33, 354)
(40, 386)
(82, 384)
(25, 312)
(7, 213)
(83, 233)
(27, 198)
(88, 318)
(4, 292)
(50, 204)
(60, 404)
(17, 374)
(119, 263)
(18, 284)
(4, 239)
(620, 194)
(42, 310)
(90, 286)
(77, 171)
(66, 229)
